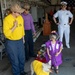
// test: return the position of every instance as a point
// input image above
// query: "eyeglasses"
(27, 9)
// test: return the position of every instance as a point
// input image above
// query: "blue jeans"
(29, 44)
(16, 54)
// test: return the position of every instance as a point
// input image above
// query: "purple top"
(28, 22)
(56, 60)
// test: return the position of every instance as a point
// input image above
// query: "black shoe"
(24, 73)
(33, 55)
(27, 59)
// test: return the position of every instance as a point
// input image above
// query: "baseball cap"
(16, 8)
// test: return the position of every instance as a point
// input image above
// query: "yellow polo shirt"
(18, 33)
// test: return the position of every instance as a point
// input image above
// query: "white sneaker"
(68, 46)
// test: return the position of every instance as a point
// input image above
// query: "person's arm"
(8, 28)
(32, 25)
(71, 16)
(23, 30)
(23, 40)
(55, 16)
(71, 21)
(48, 53)
(59, 51)
(24, 35)
(15, 24)
(55, 21)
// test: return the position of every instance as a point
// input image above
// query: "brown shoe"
(51, 71)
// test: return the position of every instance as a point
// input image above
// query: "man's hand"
(57, 54)
(57, 23)
(49, 56)
(15, 24)
(70, 23)
(23, 40)
(34, 34)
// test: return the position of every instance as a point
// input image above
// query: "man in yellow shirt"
(13, 29)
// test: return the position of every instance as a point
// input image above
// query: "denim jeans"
(29, 44)
(16, 54)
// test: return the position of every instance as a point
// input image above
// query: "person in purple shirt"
(29, 32)
(54, 49)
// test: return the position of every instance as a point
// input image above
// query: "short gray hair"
(54, 35)
(27, 6)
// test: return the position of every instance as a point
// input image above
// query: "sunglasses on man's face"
(27, 9)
